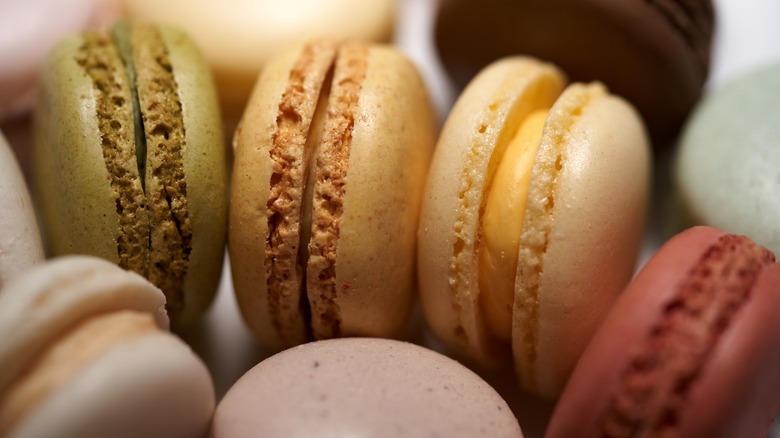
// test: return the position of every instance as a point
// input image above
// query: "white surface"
(746, 36)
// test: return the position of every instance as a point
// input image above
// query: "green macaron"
(727, 170)
(130, 164)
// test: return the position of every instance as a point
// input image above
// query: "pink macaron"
(691, 348)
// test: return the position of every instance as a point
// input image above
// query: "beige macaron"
(86, 353)
(362, 387)
(20, 241)
(532, 218)
(330, 162)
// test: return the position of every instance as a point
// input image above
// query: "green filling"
(121, 34)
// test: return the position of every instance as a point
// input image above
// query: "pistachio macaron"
(130, 165)
(532, 218)
(20, 240)
(330, 161)
(727, 169)
(85, 353)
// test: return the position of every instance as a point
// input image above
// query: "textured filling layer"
(502, 223)
(66, 357)
(295, 142)
(166, 189)
(330, 181)
(101, 61)
(653, 389)
(693, 21)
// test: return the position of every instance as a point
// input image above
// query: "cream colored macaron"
(330, 162)
(362, 387)
(239, 37)
(20, 240)
(532, 218)
(85, 352)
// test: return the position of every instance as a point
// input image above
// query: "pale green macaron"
(727, 171)
(130, 164)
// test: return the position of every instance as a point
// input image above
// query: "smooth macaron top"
(362, 387)
(584, 197)
(654, 54)
(330, 159)
(87, 353)
(129, 160)
(726, 171)
(20, 240)
(238, 37)
(690, 348)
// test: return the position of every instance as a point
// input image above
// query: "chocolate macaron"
(656, 54)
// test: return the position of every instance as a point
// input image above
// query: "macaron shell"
(248, 224)
(726, 168)
(392, 141)
(601, 364)
(738, 392)
(362, 387)
(205, 172)
(20, 240)
(484, 117)
(600, 201)
(77, 205)
(152, 386)
(39, 305)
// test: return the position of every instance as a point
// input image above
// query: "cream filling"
(502, 224)
(66, 357)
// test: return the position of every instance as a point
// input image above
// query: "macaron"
(727, 169)
(130, 162)
(20, 240)
(654, 54)
(239, 37)
(691, 348)
(531, 221)
(362, 387)
(29, 29)
(330, 162)
(85, 352)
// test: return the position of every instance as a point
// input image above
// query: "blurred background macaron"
(727, 168)
(86, 353)
(654, 54)
(362, 387)
(20, 240)
(28, 29)
(239, 37)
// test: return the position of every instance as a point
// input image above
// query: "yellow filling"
(502, 223)
(66, 357)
